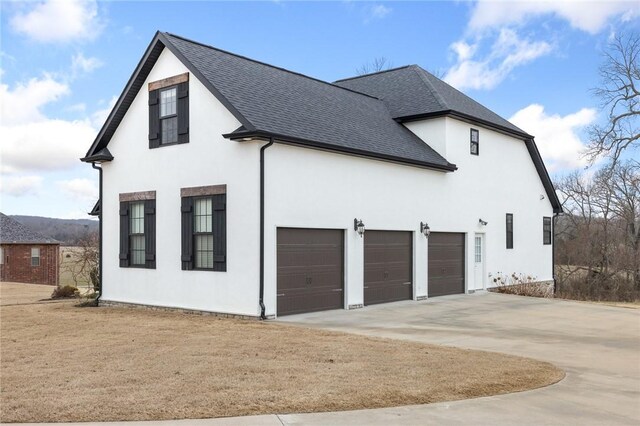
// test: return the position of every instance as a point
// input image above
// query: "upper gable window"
(169, 111)
(475, 142)
(168, 116)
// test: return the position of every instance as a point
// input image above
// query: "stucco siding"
(208, 159)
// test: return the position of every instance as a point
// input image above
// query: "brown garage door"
(387, 267)
(310, 270)
(446, 264)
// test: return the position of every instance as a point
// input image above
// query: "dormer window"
(169, 111)
(475, 142)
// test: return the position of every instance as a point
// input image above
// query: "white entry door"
(478, 264)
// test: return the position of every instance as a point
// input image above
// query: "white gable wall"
(208, 159)
(315, 189)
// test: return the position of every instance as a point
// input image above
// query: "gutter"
(263, 315)
(99, 169)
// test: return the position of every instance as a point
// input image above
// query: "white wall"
(208, 159)
(310, 188)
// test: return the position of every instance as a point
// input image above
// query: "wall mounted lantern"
(358, 226)
(482, 222)
(424, 229)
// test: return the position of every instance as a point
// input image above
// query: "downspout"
(553, 252)
(99, 169)
(262, 307)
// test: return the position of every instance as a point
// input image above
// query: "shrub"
(596, 286)
(64, 292)
(521, 285)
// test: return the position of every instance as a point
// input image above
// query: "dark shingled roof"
(410, 92)
(281, 102)
(13, 232)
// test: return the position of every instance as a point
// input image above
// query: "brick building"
(26, 256)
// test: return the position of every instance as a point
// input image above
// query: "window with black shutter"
(169, 111)
(138, 234)
(509, 230)
(546, 230)
(204, 232)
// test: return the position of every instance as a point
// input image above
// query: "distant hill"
(67, 231)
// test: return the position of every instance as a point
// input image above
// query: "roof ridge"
(266, 64)
(427, 83)
(372, 73)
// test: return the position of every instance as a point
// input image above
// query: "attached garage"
(310, 270)
(446, 264)
(388, 269)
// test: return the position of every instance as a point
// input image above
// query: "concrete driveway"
(597, 345)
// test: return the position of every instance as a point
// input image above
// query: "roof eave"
(261, 134)
(544, 176)
(464, 117)
(99, 157)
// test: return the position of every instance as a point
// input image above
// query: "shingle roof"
(410, 91)
(13, 232)
(281, 102)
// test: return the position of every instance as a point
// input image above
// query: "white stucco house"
(233, 186)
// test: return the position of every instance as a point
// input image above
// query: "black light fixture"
(482, 222)
(424, 229)
(358, 226)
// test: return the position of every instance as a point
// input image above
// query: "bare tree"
(619, 93)
(83, 263)
(600, 234)
(378, 64)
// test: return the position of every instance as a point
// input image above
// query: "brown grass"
(64, 363)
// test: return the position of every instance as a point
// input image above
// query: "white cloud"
(588, 16)
(556, 136)
(23, 103)
(507, 52)
(379, 11)
(79, 189)
(59, 21)
(44, 145)
(19, 186)
(80, 64)
(32, 141)
(99, 117)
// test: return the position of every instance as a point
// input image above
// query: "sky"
(63, 63)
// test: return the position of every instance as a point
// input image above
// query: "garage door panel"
(446, 264)
(310, 270)
(387, 266)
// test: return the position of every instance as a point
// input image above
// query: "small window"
(509, 230)
(546, 230)
(35, 256)
(478, 249)
(203, 232)
(168, 116)
(1, 256)
(475, 142)
(136, 234)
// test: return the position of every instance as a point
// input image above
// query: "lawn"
(61, 363)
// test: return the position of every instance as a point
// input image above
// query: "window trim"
(35, 257)
(476, 143)
(547, 233)
(181, 83)
(509, 229)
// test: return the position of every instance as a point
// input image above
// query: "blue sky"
(64, 62)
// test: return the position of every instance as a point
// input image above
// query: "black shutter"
(183, 112)
(220, 232)
(124, 234)
(154, 119)
(187, 233)
(150, 233)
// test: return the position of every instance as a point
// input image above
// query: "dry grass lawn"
(64, 363)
